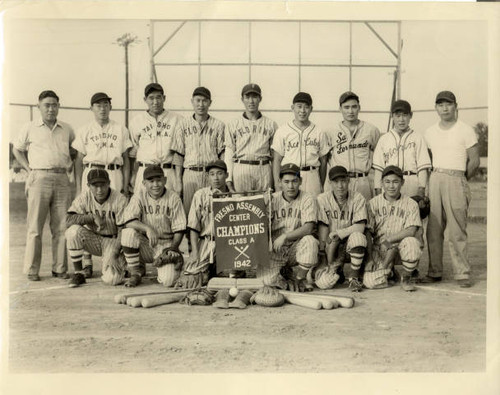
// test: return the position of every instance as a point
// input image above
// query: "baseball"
(233, 292)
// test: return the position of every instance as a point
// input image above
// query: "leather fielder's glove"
(376, 279)
(192, 280)
(200, 297)
(113, 272)
(169, 256)
(424, 205)
(268, 297)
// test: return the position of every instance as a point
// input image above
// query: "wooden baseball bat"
(295, 299)
(122, 298)
(157, 300)
(344, 301)
(134, 301)
(325, 299)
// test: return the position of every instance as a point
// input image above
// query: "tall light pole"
(124, 41)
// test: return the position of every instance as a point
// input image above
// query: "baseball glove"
(190, 280)
(267, 297)
(169, 256)
(113, 272)
(424, 205)
(376, 279)
(199, 297)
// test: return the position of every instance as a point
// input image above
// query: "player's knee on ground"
(167, 275)
(130, 238)
(73, 237)
(410, 251)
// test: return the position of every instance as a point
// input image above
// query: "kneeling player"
(92, 227)
(201, 225)
(342, 218)
(154, 220)
(394, 220)
(295, 250)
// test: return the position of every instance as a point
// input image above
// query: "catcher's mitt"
(267, 296)
(169, 256)
(424, 205)
(199, 297)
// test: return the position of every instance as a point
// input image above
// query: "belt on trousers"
(409, 173)
(307, 168)
(353, 174)
(197, 168)
(162, 165)
(252, 162)
(54, 170)
(110, 236)
(209, 237)
(450, 172)
(111, 166)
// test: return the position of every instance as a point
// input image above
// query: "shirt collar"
(41, 123)
(259, 115)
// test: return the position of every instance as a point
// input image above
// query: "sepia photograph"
(275, 192)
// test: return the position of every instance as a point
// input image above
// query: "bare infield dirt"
(439, 328)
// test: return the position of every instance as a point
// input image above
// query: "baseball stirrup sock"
(76, 258)
(356, 260)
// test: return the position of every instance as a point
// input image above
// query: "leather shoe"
(464, 283)
(33, 277)
(429, 280)
(64, 275)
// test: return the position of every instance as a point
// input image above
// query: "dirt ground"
(56, 329)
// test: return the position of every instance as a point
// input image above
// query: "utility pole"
(124, 41)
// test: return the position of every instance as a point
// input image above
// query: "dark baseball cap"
(153, 171)
(348, 96)
(290, 168)
(337, 171)
(251, 88)
(153, 87)
(97, 175)
(303, 97)
(401, 105)
(392, 170)
(220, 164)
(202, 91)
(97, 97)
(446, 96)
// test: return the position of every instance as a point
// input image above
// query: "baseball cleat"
(429, 280)
(355, 285)
(76, 280)
(133, 281)
(407, 283)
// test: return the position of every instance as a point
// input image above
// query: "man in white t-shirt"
(455, 159)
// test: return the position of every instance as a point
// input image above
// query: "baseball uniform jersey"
(354, 151)
(151, 138)
(409, 152)
(103, 146)
(303, 148)
(198, 145)
(250, 141)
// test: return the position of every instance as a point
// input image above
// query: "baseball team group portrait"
(235, 195)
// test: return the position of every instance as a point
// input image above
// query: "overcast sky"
(77, 58)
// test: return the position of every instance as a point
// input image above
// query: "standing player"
(405, 148)
(302, 143)
(91, 223)
(293, 219)
(353, 142)
(342, 218)
(199, 140)
(455, 159)
(102, 144)
(248, 145)
(47, 142)
(154, 219)
(151, 134)
(393, 219)
(201, 261)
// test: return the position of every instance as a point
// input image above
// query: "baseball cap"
(97, 175)
(337, 171)
(251, 88)
(348, 96)
(220, 164)
(401, 105)
(97, 97)
(303, 97)
(446, 96)
(153, 171)
(202, 91)
(290, 168)
(392, 170)
(153, 87)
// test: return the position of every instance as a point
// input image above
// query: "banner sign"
(241, 226)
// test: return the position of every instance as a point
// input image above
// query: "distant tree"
(482, 136)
